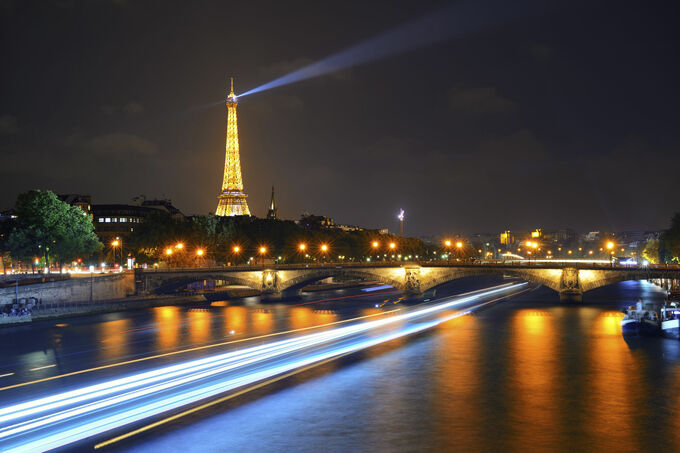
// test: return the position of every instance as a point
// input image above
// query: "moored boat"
(640, 320)
(670, 320)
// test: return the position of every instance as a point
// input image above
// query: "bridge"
(569, 280)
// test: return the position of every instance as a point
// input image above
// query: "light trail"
(183, 351)
(77, 414)
(43, 367)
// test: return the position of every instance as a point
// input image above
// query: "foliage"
(651, 251)
(671, 240)
(49, 228)
(281, 238)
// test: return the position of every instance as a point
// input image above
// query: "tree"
(49, 228)
(671, 240)
(651, 251)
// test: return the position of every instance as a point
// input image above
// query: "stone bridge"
(568, 280)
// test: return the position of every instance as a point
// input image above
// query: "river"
(526, 373)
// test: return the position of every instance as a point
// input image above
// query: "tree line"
(44, 231)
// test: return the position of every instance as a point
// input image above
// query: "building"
(84, 202)
(232, 200)
(315, 222)
(120, 220)
(507, 238)
(273, 211)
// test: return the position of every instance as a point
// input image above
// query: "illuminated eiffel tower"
(232, 200)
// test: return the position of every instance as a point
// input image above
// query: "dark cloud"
(112, 145)
(8, 125)
(122, 143)
(479, 101)
(133, 108)
(542, 51)
(108, 109)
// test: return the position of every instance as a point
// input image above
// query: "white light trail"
(185, 379)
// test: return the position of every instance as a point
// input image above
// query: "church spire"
(273, 212)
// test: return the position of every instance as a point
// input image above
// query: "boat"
(670, 320)
(640, 320)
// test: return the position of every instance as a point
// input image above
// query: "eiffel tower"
(232, 200)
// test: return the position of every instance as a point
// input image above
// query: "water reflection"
(199, 325)
(261, 321)
(613, 385)
(458, 372)
(114, 336)
(168, 326)
(235, 320)
(533, 378)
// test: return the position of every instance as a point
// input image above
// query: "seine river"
(526, 374)
(529, 374)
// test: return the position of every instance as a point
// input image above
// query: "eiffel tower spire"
(232, 200)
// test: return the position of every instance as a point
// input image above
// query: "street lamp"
(179, 246)
(263, 252)
(117, 242)
(324, 250)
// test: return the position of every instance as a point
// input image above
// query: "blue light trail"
(60, 419)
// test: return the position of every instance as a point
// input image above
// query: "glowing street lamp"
(115, 244)
(302, 247)
(179, 246)
(263, 252)
(200, 252)
(375, 245)
(236, 249)
(610, 245)
(447, 243)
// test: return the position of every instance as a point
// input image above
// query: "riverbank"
(102, 307)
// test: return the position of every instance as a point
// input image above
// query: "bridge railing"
(507, 264)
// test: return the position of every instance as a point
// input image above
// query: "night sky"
(567, 117)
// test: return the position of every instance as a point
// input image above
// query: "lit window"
(114, 219)
(123, 219)
(108, 220)
(101, 219)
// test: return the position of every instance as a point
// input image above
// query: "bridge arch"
(171, 284)
(298, 282)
